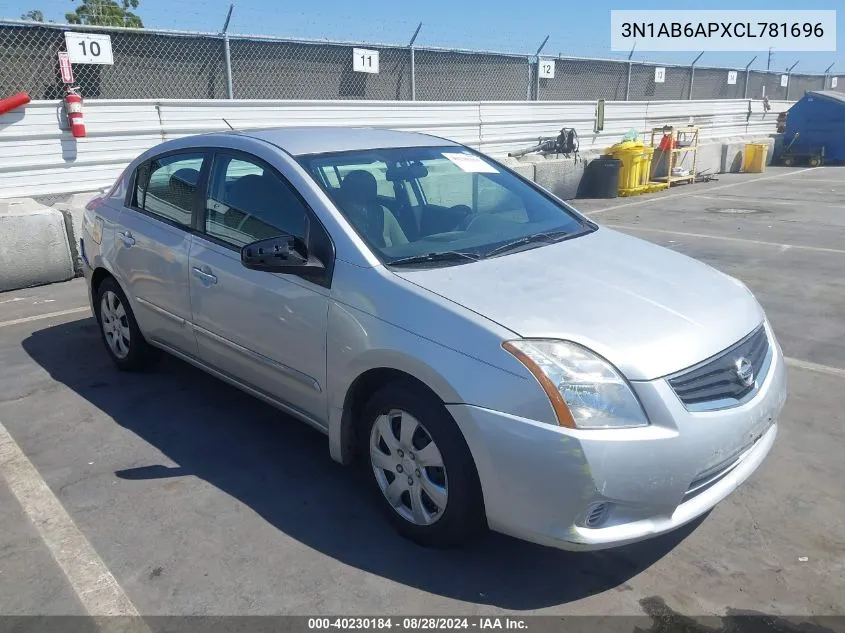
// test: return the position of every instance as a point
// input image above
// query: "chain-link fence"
(166, 64)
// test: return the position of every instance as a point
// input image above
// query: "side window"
(247, 202)
(166, 187)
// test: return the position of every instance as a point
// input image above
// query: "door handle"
(127, 238)
(203, 275)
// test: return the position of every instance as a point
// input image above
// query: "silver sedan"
(492, 357)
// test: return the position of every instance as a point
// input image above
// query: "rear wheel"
(788, 162)
(422, 469)
(814, 162)
(119, 329)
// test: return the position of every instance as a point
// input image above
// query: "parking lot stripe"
(753, 202)
(818, 249)
(93, 583)
(686, 194)
(837, 181)
(822, 369)
(47, 315)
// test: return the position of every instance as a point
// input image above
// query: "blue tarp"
(819, 120)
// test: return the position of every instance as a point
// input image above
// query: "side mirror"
(280, 254)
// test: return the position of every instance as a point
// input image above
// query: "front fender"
(359, 342)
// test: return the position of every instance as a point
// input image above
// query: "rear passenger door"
(266, 330)
(152, 245)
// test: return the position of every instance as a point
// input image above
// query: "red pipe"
(15, 101)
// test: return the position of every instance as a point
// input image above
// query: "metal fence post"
(825, 77)
(747, 73)
(227, 55)
(692, 74)
(528, 78)
(628, 82)
(789, 80)
(413, 63)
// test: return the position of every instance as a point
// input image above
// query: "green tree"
(106, 13)
(34, 16)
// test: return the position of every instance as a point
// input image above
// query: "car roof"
(318, 140)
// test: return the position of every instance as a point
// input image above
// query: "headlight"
(585, 390)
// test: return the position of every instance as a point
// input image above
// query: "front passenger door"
(266, 330)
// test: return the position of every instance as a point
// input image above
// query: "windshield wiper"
(549, 237)
(446, 256)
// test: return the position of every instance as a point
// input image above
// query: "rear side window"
(167, 187)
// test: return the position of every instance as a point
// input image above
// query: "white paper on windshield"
(471, 164)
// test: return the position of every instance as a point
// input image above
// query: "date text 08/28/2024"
(416, 623)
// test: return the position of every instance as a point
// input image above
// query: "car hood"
(647, 309)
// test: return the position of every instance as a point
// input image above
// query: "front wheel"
(422, 469)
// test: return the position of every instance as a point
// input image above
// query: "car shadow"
(281, 469)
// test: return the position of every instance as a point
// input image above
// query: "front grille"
(715, 383)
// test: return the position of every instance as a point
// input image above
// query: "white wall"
(37, 157)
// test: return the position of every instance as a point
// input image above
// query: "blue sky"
(575, 28)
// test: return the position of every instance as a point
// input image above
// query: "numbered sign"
(732, 77)
(834, 81)
(784, 79)
(65, 67)
(547, 69)
(364, 61)
(89, 48)
(659, 75)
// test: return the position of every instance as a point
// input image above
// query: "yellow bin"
(631, 154)
(755, 158)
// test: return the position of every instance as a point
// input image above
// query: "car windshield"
(439, 206)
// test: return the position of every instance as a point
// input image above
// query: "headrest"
(185, 178)
(359, 186)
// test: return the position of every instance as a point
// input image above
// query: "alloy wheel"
(408, 467)
(115, 324)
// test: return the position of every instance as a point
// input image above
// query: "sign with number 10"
(89, 48)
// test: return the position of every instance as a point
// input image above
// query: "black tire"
(463, 517)
(140, 355)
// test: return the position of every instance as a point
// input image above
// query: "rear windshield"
(415, 201)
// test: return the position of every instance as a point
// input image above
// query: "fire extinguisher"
(73, 106)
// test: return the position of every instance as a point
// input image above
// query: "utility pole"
(769, 63)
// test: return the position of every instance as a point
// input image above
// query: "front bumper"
(541, 482)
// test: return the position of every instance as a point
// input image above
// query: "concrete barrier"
(74, 207)
(34, 245)
(561, 175)
(523, 168)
